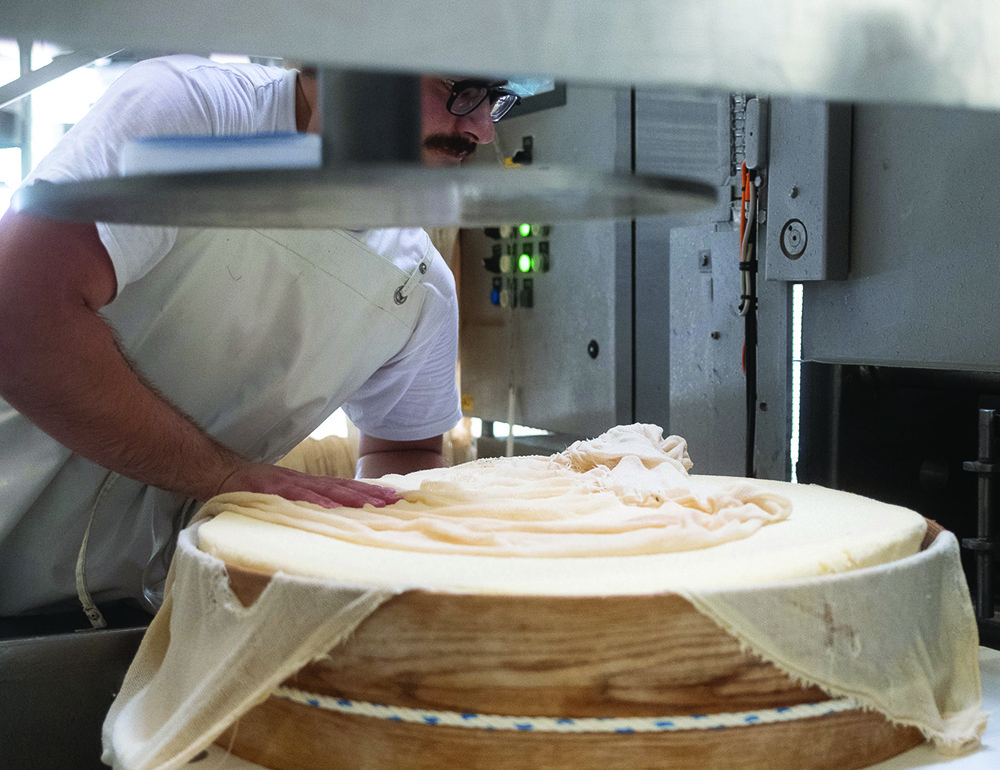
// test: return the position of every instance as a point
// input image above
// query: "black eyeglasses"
(467, 95)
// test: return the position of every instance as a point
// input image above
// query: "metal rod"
(27, 155)
(60, 65)
(985, 558)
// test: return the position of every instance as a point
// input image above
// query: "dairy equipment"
(874, 218)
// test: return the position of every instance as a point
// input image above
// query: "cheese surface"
(617, 515)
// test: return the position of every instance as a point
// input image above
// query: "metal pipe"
(983, 545)
(27, 156)
(31, 79)
(987, 481)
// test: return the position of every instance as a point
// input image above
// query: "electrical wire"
(748, 309)
(748, 218)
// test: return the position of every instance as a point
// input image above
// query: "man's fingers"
(321, 490)
(371, 492)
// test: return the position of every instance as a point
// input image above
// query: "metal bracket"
(978, 544)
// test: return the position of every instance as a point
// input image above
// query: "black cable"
(748, 305)
(750, 355)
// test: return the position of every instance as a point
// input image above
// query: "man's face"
(449, 139)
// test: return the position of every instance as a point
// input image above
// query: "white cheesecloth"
(206, 659)
(900, 638)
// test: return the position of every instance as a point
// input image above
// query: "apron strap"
(415, 278)
(89, 608)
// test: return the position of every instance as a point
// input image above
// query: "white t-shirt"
(197, 96)
(257, 334)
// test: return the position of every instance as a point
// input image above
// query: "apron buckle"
(415, 277)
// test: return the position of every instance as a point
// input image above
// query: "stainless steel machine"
(877, 217)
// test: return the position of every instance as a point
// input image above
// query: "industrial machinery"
(876, 340)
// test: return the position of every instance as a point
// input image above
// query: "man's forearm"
(61, 367)
(101, 408)
(74, 383)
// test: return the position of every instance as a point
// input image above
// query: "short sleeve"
(173, 95)
(148, 98)
(414, 395)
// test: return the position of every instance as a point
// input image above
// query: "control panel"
(542, 306)
(518, 253)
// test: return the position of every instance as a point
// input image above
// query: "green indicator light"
(536, 264)
(525, 230)
(524, 263)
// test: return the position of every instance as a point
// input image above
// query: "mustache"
(451, 143)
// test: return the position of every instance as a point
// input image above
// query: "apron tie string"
(89, 607)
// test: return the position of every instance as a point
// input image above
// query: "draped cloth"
(900, 636)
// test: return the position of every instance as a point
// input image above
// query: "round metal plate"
(364, 197)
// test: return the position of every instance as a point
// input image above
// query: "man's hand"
(326, 491)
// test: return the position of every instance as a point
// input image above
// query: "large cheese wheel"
(552, 588)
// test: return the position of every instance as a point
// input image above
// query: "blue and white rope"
(565, 724)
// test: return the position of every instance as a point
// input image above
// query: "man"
(145, 369)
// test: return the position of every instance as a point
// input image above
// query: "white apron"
(258, 336)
